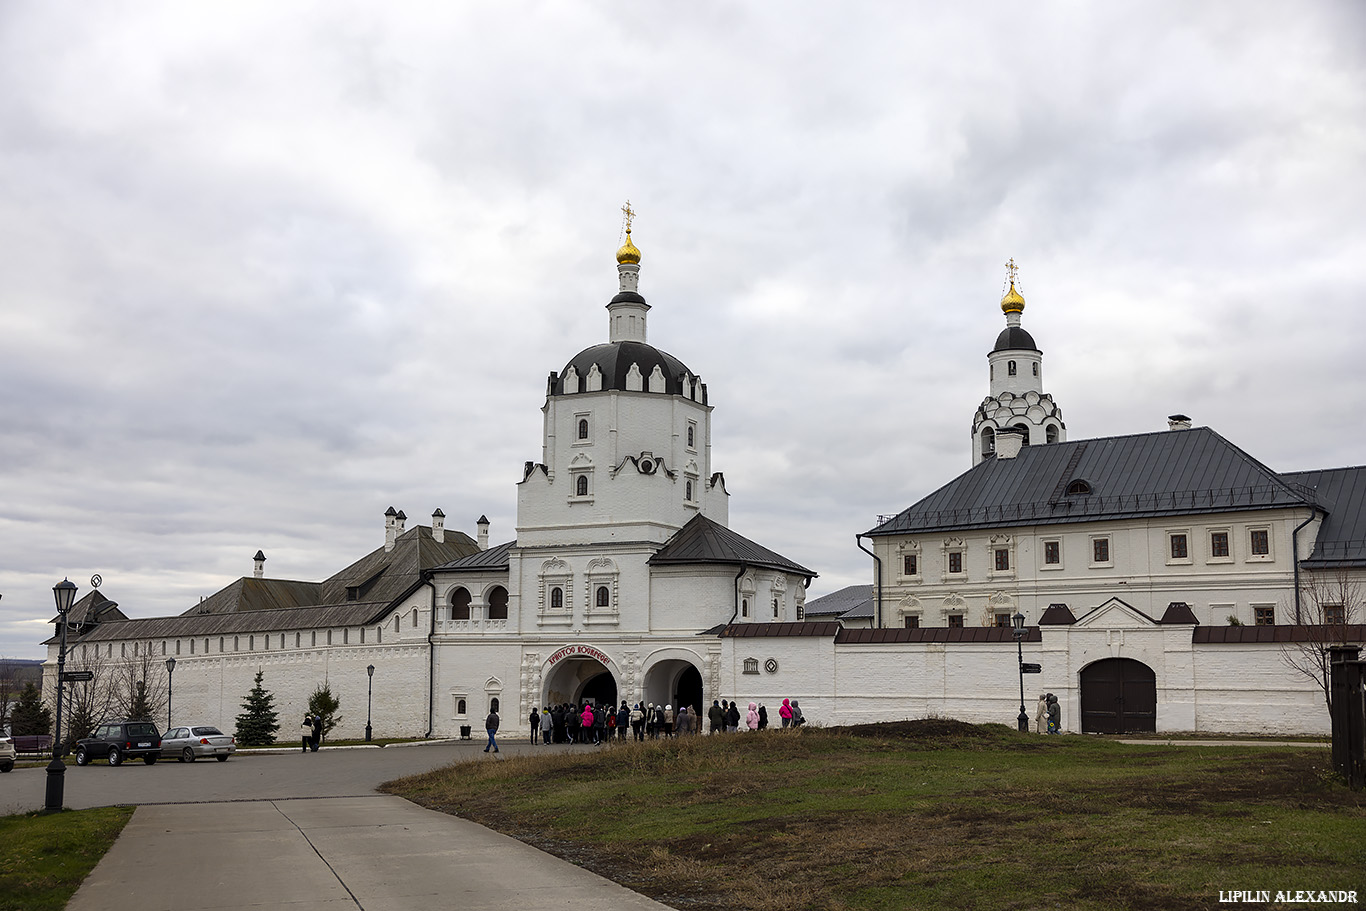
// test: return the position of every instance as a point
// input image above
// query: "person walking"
(752, 717)
(1041, 716)
(668, 721)
(785, 713)
(623, 720)
(535, 722)
(491, 726)
(763, 717)
(798, 719)
(306, 733)
(638, 722)
(547, 725)
(1054, 715)
(715, 716)
(586, 723)
(317, 732)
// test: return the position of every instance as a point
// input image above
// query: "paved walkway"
(333, 854)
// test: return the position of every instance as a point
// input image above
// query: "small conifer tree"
(324, 705)
(30, 715)
(257, 724)
(140, 709)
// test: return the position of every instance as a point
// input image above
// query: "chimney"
(260, 571)
(390, 528)
(400, 521)
(1009, 442)
(439, 526)
(483, 524)
(1178, 422)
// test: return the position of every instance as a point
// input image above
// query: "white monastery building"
(1165, 581)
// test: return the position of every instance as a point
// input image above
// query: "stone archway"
(1118, 696)
(578, 673)
(676, 682)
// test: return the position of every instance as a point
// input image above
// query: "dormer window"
(1078, 488)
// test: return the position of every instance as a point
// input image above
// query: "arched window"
(460, 707)
(498, 603)
(414, 619)
(583, 428)
(1010, 368)
(604, 596)
(581, 486)
(557, 598)
(744, 607)
(493, 704)
(1024, 431)
(1036, 368)
(1051, 433)
(688, 495)
(775, 608)
(1078, 488)
(988, 441)
(690, 434)
(460, 604)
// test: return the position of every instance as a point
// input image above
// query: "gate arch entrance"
(1118, 696)
(577, 676)
(675, 682)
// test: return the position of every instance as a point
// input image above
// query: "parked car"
(120, 740)
(189, 743)
(7, 754)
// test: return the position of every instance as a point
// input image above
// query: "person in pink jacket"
(785, 713)
(752, 719)
(586, 724)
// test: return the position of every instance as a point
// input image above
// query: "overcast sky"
(267, 269)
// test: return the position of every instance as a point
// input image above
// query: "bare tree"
(10, 685)
(139, 686)
(89, 702)
(1331, 604)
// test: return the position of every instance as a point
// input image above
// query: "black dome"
(1013, 338)
(614, 361)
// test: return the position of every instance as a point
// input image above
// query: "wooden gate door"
(1118, 696)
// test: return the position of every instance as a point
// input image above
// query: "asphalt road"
(327, 773)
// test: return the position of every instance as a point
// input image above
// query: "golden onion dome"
(1012, 302)
(628, 252)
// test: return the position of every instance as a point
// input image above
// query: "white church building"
(1165, 580)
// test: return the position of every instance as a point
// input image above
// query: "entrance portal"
(574, 680)
(675, 682)
(1118, 696)
(600, 690)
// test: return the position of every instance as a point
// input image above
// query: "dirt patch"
(920, 729)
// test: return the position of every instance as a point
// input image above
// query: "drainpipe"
(431, 658)
(858, 539)
(735, 586)
(1295, 556)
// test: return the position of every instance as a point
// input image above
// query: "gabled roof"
(850, 601)
(491, 560)
(92, 608)
(253, 621)
(1342, 493)
(705, 541)
(1176, 472)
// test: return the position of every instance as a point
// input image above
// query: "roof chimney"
(260, 570)
(1178, 422)
(439, 526)
(483, 524)
(1009, 442)
(390, 528)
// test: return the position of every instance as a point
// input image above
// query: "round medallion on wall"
(771, 665)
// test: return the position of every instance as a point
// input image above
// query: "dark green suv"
(120, 740)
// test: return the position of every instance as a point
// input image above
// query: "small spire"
(1012, 301)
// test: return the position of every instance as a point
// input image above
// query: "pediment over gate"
(1115, 614)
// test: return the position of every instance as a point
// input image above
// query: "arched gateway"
(1118, 696)
(579, 673)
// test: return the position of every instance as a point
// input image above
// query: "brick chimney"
(260, 571)
(1178, 422)
(1009, 442)
(390, 528)
(439, 526)
(483, 524)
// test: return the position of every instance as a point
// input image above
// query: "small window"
(1052, 552)
(955, 621)
(1264, 616)
(557, 598)
(1003, 620)
(1100, 550)
(775, 608)
(1078, 488)
(581, 486)
(1218, 544)
(1050, 433)
(988, 441)
(604, 596)
(1036, 368)
(191, 646)
(912, 621)
(329, 637)
(461, 707)
(583, 428)
(1260, 542)
(1178, 547)
(692, 436)
(909, 565)
(1334, 614)
(744, 607)
(1010, 368)
(801, 612)
(493, 704)
(329, 640)
(236, 644)
(1002, 559)
(956, 562)
(220, 644)
(688, 491)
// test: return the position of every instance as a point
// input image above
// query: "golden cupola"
(628, 252)
(1012, 302)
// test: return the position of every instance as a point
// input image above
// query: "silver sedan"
(189, 743)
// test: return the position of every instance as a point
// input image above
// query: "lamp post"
(369, 689)
(1019, 623)
(65, 594)
(171, 680)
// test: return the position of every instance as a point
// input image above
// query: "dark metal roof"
(1238, 635)
(241, 622)
(705, 541)
(1175, 472)
(1013, 338)
(495, 558)
(772, 630)
(1179, 612)
(936, 634)
(1057, 615)
(614, 361)
(92, 608)
(842, 602)
(1342, 493)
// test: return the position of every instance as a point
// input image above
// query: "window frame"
(1054, 565)
(1186, 558)
(581, 418)
(1267, 555)
(1105, 543)
(1212, 543)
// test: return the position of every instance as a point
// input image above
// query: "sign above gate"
(579, 651)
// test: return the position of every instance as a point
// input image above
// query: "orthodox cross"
(629, 213)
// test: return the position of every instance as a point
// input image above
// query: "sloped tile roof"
(253, 621)
(705, 541)
(1177, 472)
(493, 559)
(1238, 635)
(773, 630)
(92, 608)
(851, 601)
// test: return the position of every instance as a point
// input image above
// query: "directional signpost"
(78, 676)
(1027, 668)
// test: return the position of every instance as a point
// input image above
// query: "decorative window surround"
(555, 573)
(954, 563)
(580, 468)
(1220, 545)
(1102, 551)
(583, 429)
(909, 562)
(1050, 554)
(601, 572)
(1259, 547)
(1001, 550)
(1179, 547)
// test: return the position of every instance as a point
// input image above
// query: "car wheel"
(6, 766)
(221, 758)
(82, 757)
(150, 760)
(115, 757)
(187, 755)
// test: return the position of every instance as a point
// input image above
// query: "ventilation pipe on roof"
(483, 524)
(260, 570)
(1178, 422)
(439, 526)
(877, 562)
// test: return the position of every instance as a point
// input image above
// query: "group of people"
(1049, 716)
(311, 732)
(724, 716)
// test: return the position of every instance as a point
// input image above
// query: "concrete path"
(333, 854)
(1313, 745)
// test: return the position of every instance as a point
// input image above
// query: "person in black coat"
(623, 720)
(763, 717)
(491, 726)
(535, 724)
(733, 717)
(716, 717)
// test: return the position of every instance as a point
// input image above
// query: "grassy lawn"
(44, 859)
(927, 814)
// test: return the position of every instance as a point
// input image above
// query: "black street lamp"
(1019, 622)
(65, 593)
(171, 680)
(369, 689)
